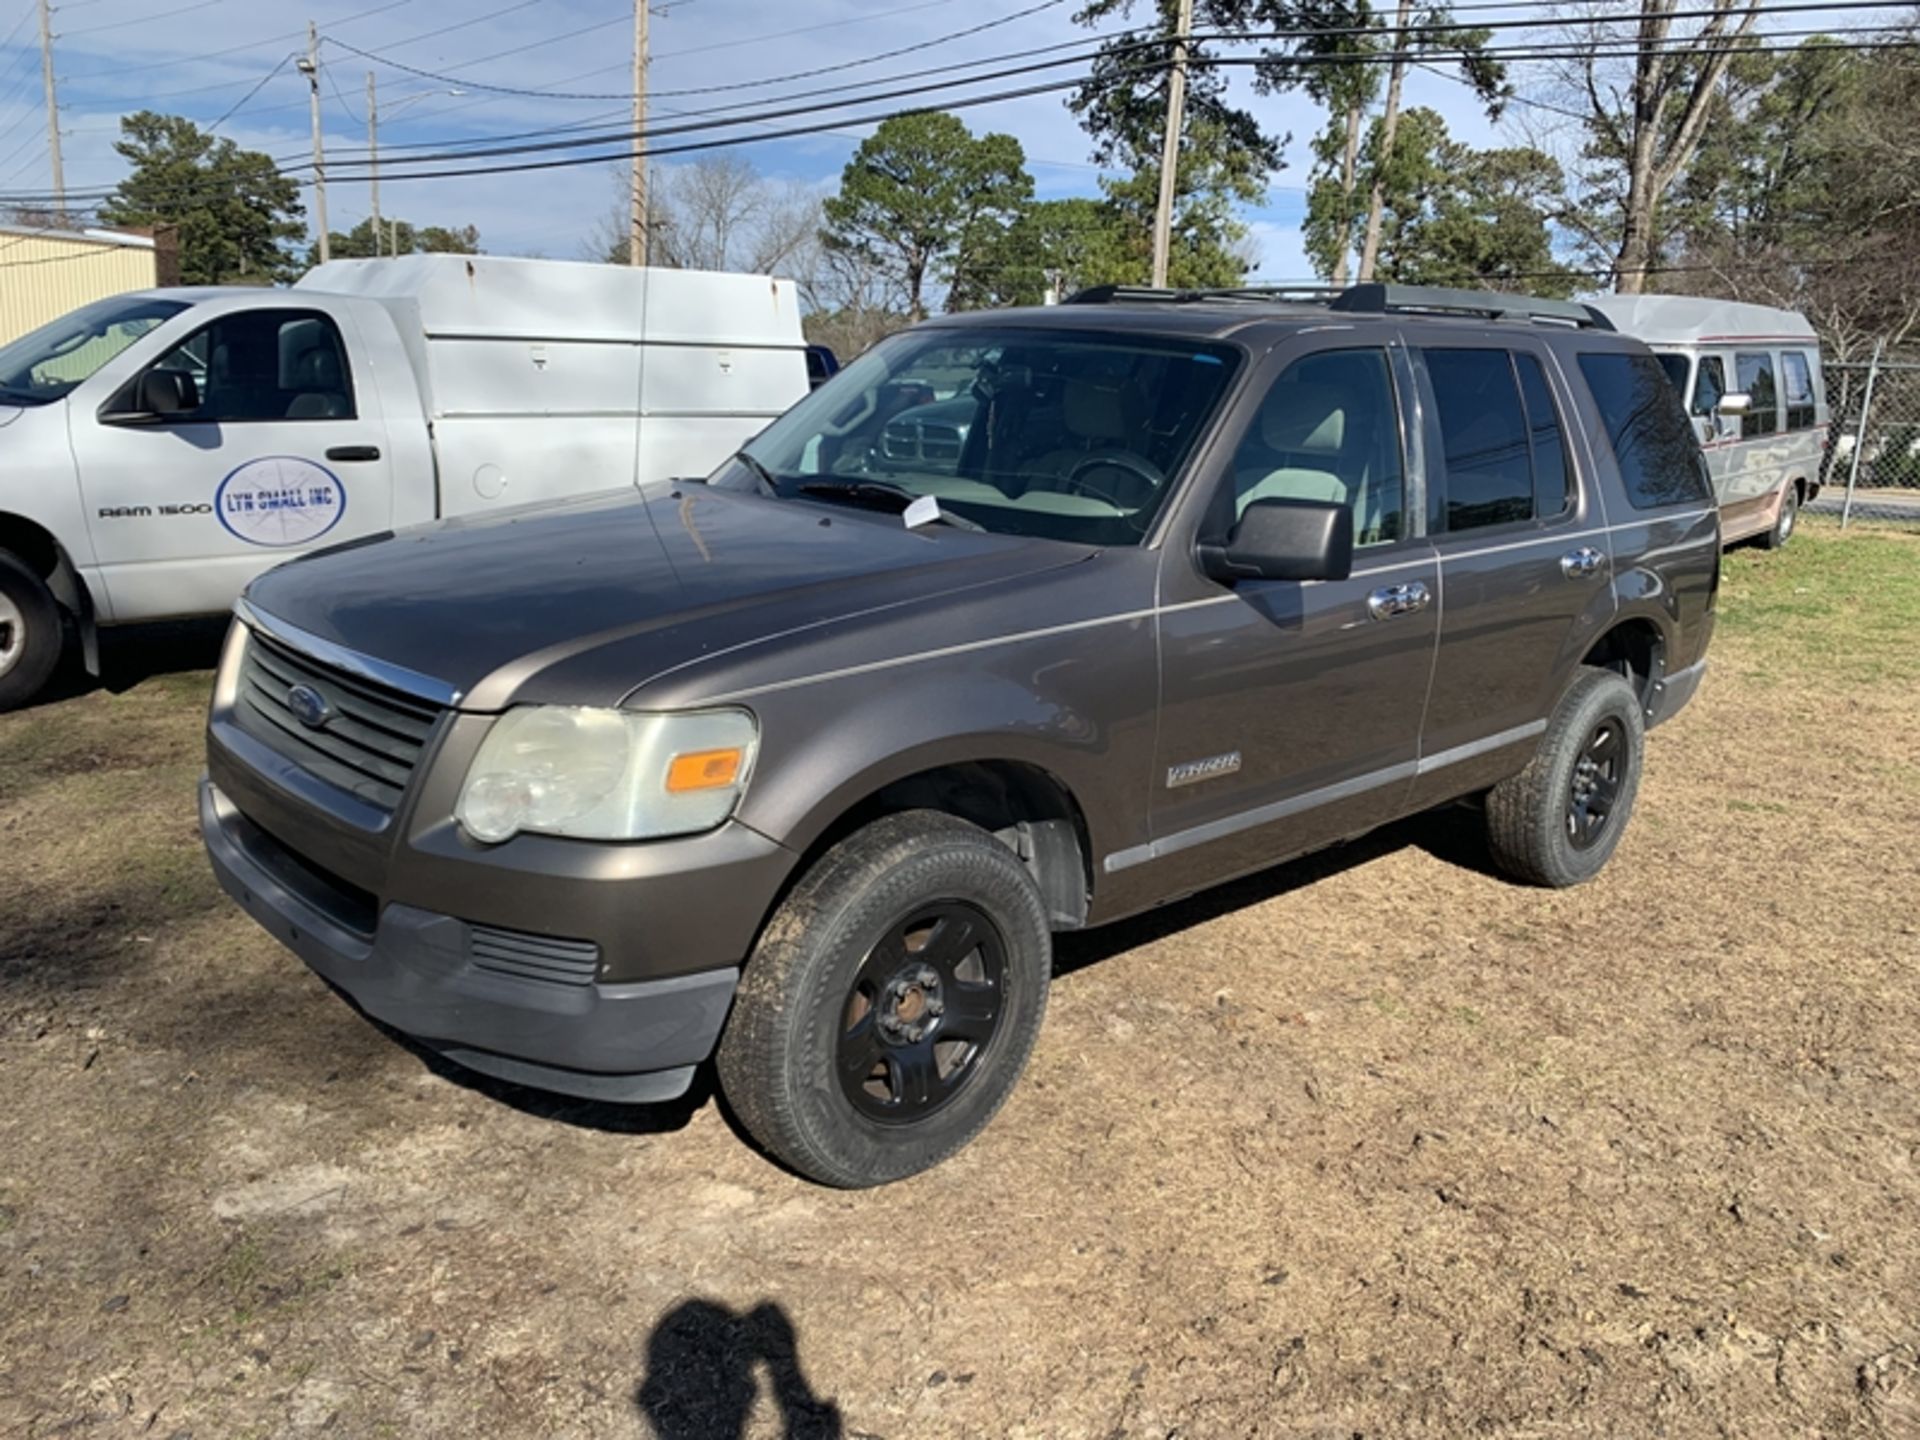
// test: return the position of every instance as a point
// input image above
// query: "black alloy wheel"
(1595, 787)
(923, 1009)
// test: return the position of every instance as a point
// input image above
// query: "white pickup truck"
(160, 449)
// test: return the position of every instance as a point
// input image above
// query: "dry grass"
(1376, 1144)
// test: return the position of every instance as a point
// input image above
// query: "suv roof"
(1229, 310)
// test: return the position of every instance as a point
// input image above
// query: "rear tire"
(32, 633)
(891, 1003)
(1559, 820)
(1785, 521)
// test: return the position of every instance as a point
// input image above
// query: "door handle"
(1391, 600)
(1576, 564)
(354, 452)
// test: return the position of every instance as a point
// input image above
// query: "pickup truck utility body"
(163, 448)
(1026, 621)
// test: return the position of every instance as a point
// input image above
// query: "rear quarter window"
(1653, 443)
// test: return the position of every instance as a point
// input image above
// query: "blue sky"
(201, 58)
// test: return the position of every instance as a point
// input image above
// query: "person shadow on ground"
(701, 1385)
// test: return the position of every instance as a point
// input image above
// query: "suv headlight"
(607, 774)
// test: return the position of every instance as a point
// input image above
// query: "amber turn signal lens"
(704, 770)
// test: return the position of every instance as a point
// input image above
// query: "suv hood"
(512, 607)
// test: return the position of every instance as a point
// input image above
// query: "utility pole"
(373, 158)
(53, 111)
(637, 221)
(309, 66)
(1170, 151)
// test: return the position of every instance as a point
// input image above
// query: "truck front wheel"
(891, 1003)
(32, 633)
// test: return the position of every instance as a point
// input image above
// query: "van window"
(1328, 430)
(1676, 367)
(1653, 441)
(1483, 429)
(1549, 445)
(1709, 385)
(1796, 380)
(1756, 378)
(265, 365)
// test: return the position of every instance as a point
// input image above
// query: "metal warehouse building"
(44, 273)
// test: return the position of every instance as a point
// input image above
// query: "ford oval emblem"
(309, 706)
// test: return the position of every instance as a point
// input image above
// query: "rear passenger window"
(1756, 378)
(1796, 381)
(1328, 430)
(1483, 432)
(1653, 441)
(1543, 430)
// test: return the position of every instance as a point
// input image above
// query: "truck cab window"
(1328, 430)
(256, 365)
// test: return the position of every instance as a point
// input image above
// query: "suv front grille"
(368, 741)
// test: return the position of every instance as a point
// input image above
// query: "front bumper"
(416, 970)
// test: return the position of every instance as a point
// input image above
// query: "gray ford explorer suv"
(1025, 622)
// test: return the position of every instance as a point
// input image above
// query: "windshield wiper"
(880, 495)
(764, 476)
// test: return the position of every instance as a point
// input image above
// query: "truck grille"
(534, 957)
(368, 739)
(911, 439)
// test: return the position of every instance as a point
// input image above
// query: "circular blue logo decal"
(280, 500)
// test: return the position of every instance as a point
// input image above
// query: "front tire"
(1785, 520)
(1559, 820)
(32, 633)
(891, 1003)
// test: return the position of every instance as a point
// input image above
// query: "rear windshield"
(1076, 437)
(1653, 441)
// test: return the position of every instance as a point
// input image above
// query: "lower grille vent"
(534, 957)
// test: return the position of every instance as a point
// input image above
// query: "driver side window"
(257, 365)
(1329, 430)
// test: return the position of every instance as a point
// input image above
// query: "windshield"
(1023, 432)
(44, 364)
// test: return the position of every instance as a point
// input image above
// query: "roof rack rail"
(1376, 299)
(1111, 294)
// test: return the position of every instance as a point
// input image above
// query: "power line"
(140, 19)
(239, 49)
(258, 86)
(937, 40)
(631, 138)
(1623, 48)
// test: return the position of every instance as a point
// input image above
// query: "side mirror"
(156, 396)
(1734, 402)
(1284, 540)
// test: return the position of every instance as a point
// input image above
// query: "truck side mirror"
(1284, 540)
(156, 396)
(1734, 402)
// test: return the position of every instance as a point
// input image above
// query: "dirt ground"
(1373, 1145)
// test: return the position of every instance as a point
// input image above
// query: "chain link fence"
(1872, 467)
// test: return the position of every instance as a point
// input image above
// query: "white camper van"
(1750, 376)
(159, 449)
